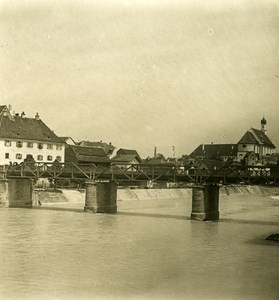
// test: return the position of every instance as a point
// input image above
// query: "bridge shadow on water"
(66, 209)
(162, 216)
(120, 213)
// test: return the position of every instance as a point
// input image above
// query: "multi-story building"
(22, 137)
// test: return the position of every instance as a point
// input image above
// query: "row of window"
(19, 144)
(39, 157)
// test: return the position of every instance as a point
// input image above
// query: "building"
(83, 155)
(22, 137)
(125, 158)
(108, 148)
(257, 141)
(222, 152)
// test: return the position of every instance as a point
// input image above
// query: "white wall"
(13, 150)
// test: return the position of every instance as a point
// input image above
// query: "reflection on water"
(150, 249)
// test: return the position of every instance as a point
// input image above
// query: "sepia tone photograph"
(139, 149)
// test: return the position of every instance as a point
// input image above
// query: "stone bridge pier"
(205, 202)
(101, 197)
(16, 192)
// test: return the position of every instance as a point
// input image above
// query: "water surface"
(150, 249)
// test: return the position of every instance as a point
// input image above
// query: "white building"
(21, 137)
(257, 141)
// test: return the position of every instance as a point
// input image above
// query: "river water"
(148, 250)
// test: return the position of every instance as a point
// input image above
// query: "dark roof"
(89, 154)
(122, 151)
(256, 136)
(211, 151)
(109, 148)
(263, 138)
(125, 158)
(248, 138)
(26, 128)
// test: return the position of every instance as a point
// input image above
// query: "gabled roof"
(89, 154)
(263, 138)
(122, 151)
(26, 129)
(212, 151)
(248, 138)
(257, 137)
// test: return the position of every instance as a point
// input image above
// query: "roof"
(125, 158)
(107, 147)
(122, 151)
(256, 136)
(89, 154)
(18, 127)
(248, 138)
(211, 151)
(66, 139)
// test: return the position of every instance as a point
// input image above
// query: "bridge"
(16, 188)
(144, 172)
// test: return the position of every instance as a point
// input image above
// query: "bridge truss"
(144, 172)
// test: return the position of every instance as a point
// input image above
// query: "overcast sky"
(143, 73)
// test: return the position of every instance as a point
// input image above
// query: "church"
(253, 148)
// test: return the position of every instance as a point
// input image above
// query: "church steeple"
(263, 123)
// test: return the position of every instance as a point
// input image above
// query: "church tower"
(263, 124)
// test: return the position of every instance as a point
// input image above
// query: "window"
(59, 158)
(8, 143)
(18, 156)
(19, 144)
(7, 155)
(39, 157)
(40, 146)
(29, 145)
(49, 146)
(49, 157)
(58, 147)
(244, 146)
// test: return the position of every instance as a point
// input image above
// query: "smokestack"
(155, 152)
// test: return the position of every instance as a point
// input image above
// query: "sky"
(139, 74)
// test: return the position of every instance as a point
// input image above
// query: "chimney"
(155, 152)
(23, 115)
(202, 147)
(37, 117)
(10, 108)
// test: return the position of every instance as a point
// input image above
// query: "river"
(148, 250)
